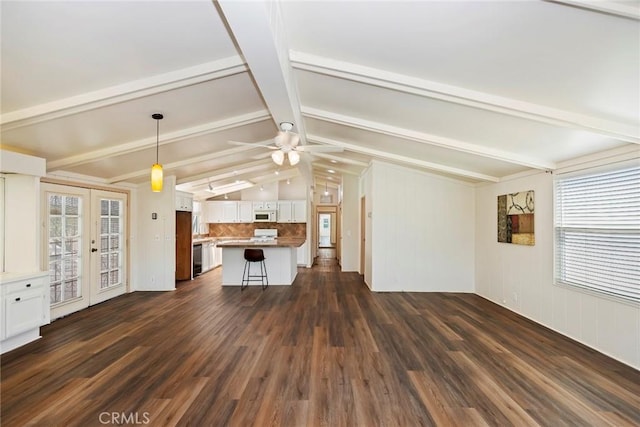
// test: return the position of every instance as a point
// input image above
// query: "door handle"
(94, 250)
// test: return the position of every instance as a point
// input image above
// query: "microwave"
(264, 216)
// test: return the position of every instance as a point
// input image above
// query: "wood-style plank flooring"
(324, 351)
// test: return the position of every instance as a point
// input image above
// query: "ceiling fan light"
(294, 157)
(278, 157)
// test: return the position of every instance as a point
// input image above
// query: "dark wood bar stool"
(251, 256)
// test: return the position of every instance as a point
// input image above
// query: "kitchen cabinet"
(206, 256)
(229, 211)
(217, 258)
(184, 201)
(285, 211)
(245, 211)
(24, 307)
(269, 205)
(302, 254)
(214, 212)
(292, 211)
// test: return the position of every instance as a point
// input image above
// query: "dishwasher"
(197, 259)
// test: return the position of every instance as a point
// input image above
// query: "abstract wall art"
(515, 218)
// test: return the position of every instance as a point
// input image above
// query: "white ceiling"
(476, 90)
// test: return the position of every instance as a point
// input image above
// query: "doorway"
(326, 231)
(84, 234)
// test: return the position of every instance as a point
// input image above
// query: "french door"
(85, 250)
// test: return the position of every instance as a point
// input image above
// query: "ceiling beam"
(168, 138)
(323, 169)
(123, 92)
(340, 159)
(226, 173)
(466, 97)
(258, 29)
(608, 7)
(182, 163)
(404, 159)
(424, 138)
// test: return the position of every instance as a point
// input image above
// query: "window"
(597, 227)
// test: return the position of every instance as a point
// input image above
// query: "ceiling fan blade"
(319, 148)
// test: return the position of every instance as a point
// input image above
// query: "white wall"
(21, 211)
(22, 223)
(521, 278)
(349, 255)
(295, 190)
(269, 192)
(423, 231)
(153, 241)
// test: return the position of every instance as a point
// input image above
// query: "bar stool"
(251, 256)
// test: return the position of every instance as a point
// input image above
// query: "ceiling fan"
(286, 143)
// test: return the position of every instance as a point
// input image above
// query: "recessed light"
(333, 161)
(237, 181)
(277, 172)
(331, 171)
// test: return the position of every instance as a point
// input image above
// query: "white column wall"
(154, 241)
(350, 224)
(423, 231)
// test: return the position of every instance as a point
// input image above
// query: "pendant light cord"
(157, 139)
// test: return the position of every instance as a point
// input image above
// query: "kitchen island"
(280, 259)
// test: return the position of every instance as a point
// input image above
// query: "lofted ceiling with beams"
(474, 90)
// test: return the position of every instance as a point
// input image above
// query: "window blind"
(597, 232)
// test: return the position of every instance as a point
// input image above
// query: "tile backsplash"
(246, 230)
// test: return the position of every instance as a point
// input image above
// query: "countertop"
(280, 242)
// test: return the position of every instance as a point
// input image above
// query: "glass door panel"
(66, 230)
(110, 275)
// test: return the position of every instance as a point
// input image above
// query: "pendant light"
(156, 169)
(326, 189)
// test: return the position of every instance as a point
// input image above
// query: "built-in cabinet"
(24, 307)
(211, 256)
(184, 201)
(269, 205)
(233, 211)
(228, 211)
(292, 211)
(302, 253)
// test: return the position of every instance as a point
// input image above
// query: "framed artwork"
(516, 218)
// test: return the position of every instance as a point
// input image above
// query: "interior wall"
(153, 241)
(367, 193)
(423, 231)
(521, 278)
(295, 190)
(350, 236)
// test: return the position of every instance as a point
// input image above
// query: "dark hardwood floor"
(324, 351)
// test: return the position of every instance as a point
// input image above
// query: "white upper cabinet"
(292, 211)
(284, 211)
(299, 211)
(229, 211)
(184, 201)
(270, 205)
(245, 211)
(214, 212)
